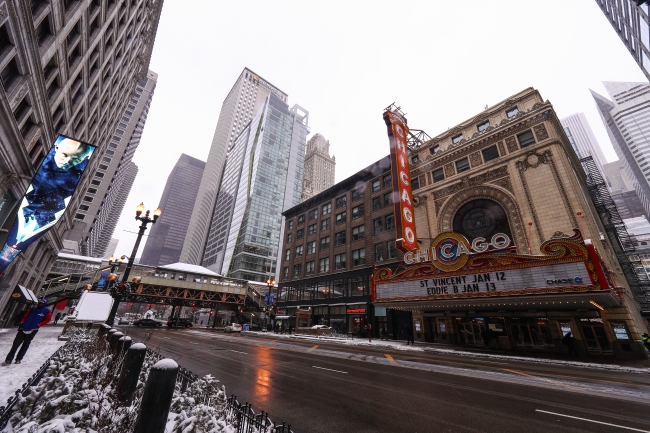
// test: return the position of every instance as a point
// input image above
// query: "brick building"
(331, 243)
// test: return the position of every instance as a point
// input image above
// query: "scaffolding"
(617, 233)
(416, 137)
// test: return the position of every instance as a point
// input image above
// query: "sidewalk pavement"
(12, 376)
(539, 357)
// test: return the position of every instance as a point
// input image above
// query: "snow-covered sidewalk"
(13, 376)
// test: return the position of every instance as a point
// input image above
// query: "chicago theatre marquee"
(507, 250)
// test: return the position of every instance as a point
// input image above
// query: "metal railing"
(245, 420)
(7, 410)
(71, 284)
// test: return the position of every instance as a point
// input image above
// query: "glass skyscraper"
(262, 176)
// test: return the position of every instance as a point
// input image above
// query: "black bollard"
(114, 338)
(103, 329)
(123, 344)
(158, 393)
(130, 373)
(109, 333)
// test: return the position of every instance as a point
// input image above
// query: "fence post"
(109, 333)
(130, 371)
(114, 338)
(103, 329)
(158, 393)
(123, 344)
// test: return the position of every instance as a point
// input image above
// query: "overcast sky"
(345, 61)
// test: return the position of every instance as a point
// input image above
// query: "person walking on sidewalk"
(29, 326)
(409, 335)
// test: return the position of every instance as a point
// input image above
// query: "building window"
(80, 216)
(289, 238)
(457, 138)
(298, 251)
(415, 183)
(359, 257)
(341, 201)
(325, 243)
(358, 233)
(339, 261)
(324, 265)
(311, 247)
(291, 225)
(339, 238)
(301, 219)
(438, 175)
(88, 199)
(512, 112)
(414, 159)
(325, 224)
(388, 181)
(377, 226)
(462, 165)
(286, 272)
(357, 194)
(311, 229)
(340, 218)
(376, 185)
(95, 182)
(84, 207)
(433, 150)
(357, 211)
(483, 126)
(297, 270)
(313, 214)
(379, 252)
(526, 139)
(92, 190)
(390, 222)
(490, 153)
(300, 233)
(99, 174)
(388, 198)
(392, 251)
(309, 268)
(327, 208)
(287, 254)
(376, 203)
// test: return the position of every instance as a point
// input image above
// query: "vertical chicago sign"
(406, 239)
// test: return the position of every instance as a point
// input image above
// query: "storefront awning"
(23, 294)
(356, 303)
(281, 317)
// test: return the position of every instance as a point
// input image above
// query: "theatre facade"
(511, 253)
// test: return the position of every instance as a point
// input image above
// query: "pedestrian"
(569, 341)
(29, 325)
(290, 328)
(383, 333)
(409, 335)
(57, 317)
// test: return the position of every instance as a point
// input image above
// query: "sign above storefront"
(406, 238)
(356, 311)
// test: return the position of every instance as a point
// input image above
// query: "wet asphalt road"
(321, 387)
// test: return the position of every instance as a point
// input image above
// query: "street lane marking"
(594, 421)
(191, 342)
(517, 372)
(167, 338)
(312, 349)
(239, 352)
(329, 369)
(390, 359)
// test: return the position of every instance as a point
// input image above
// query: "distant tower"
(319, 167)
(584, 138)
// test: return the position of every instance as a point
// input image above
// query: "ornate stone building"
(319, 167)
(66, 67)
(512, 170)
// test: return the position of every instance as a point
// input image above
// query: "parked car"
(123, 321)
(233, 327)
(324, 327)
(147, 323)
(182, 323)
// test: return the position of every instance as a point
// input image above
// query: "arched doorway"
(481, 218)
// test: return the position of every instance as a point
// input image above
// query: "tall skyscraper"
(104, 199)
(262, 177)
(245, 98)
(319, 167)
(66, 67)
(165, 240)
(625, 117)
(617, 180)
(631, 23)
(584, 138)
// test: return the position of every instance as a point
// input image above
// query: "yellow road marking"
(312, 349)
(517, 372)
(390, 359)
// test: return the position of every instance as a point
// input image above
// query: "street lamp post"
(118, 295)
(270, 282)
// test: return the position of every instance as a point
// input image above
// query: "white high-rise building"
(247, 95)
(319, 167)
(584, 138)
(627, 120)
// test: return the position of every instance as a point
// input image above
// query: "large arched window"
(481, 218)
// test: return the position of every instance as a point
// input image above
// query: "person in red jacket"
(29, 326)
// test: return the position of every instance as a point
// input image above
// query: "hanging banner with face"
(47, 196)
(406, 239)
